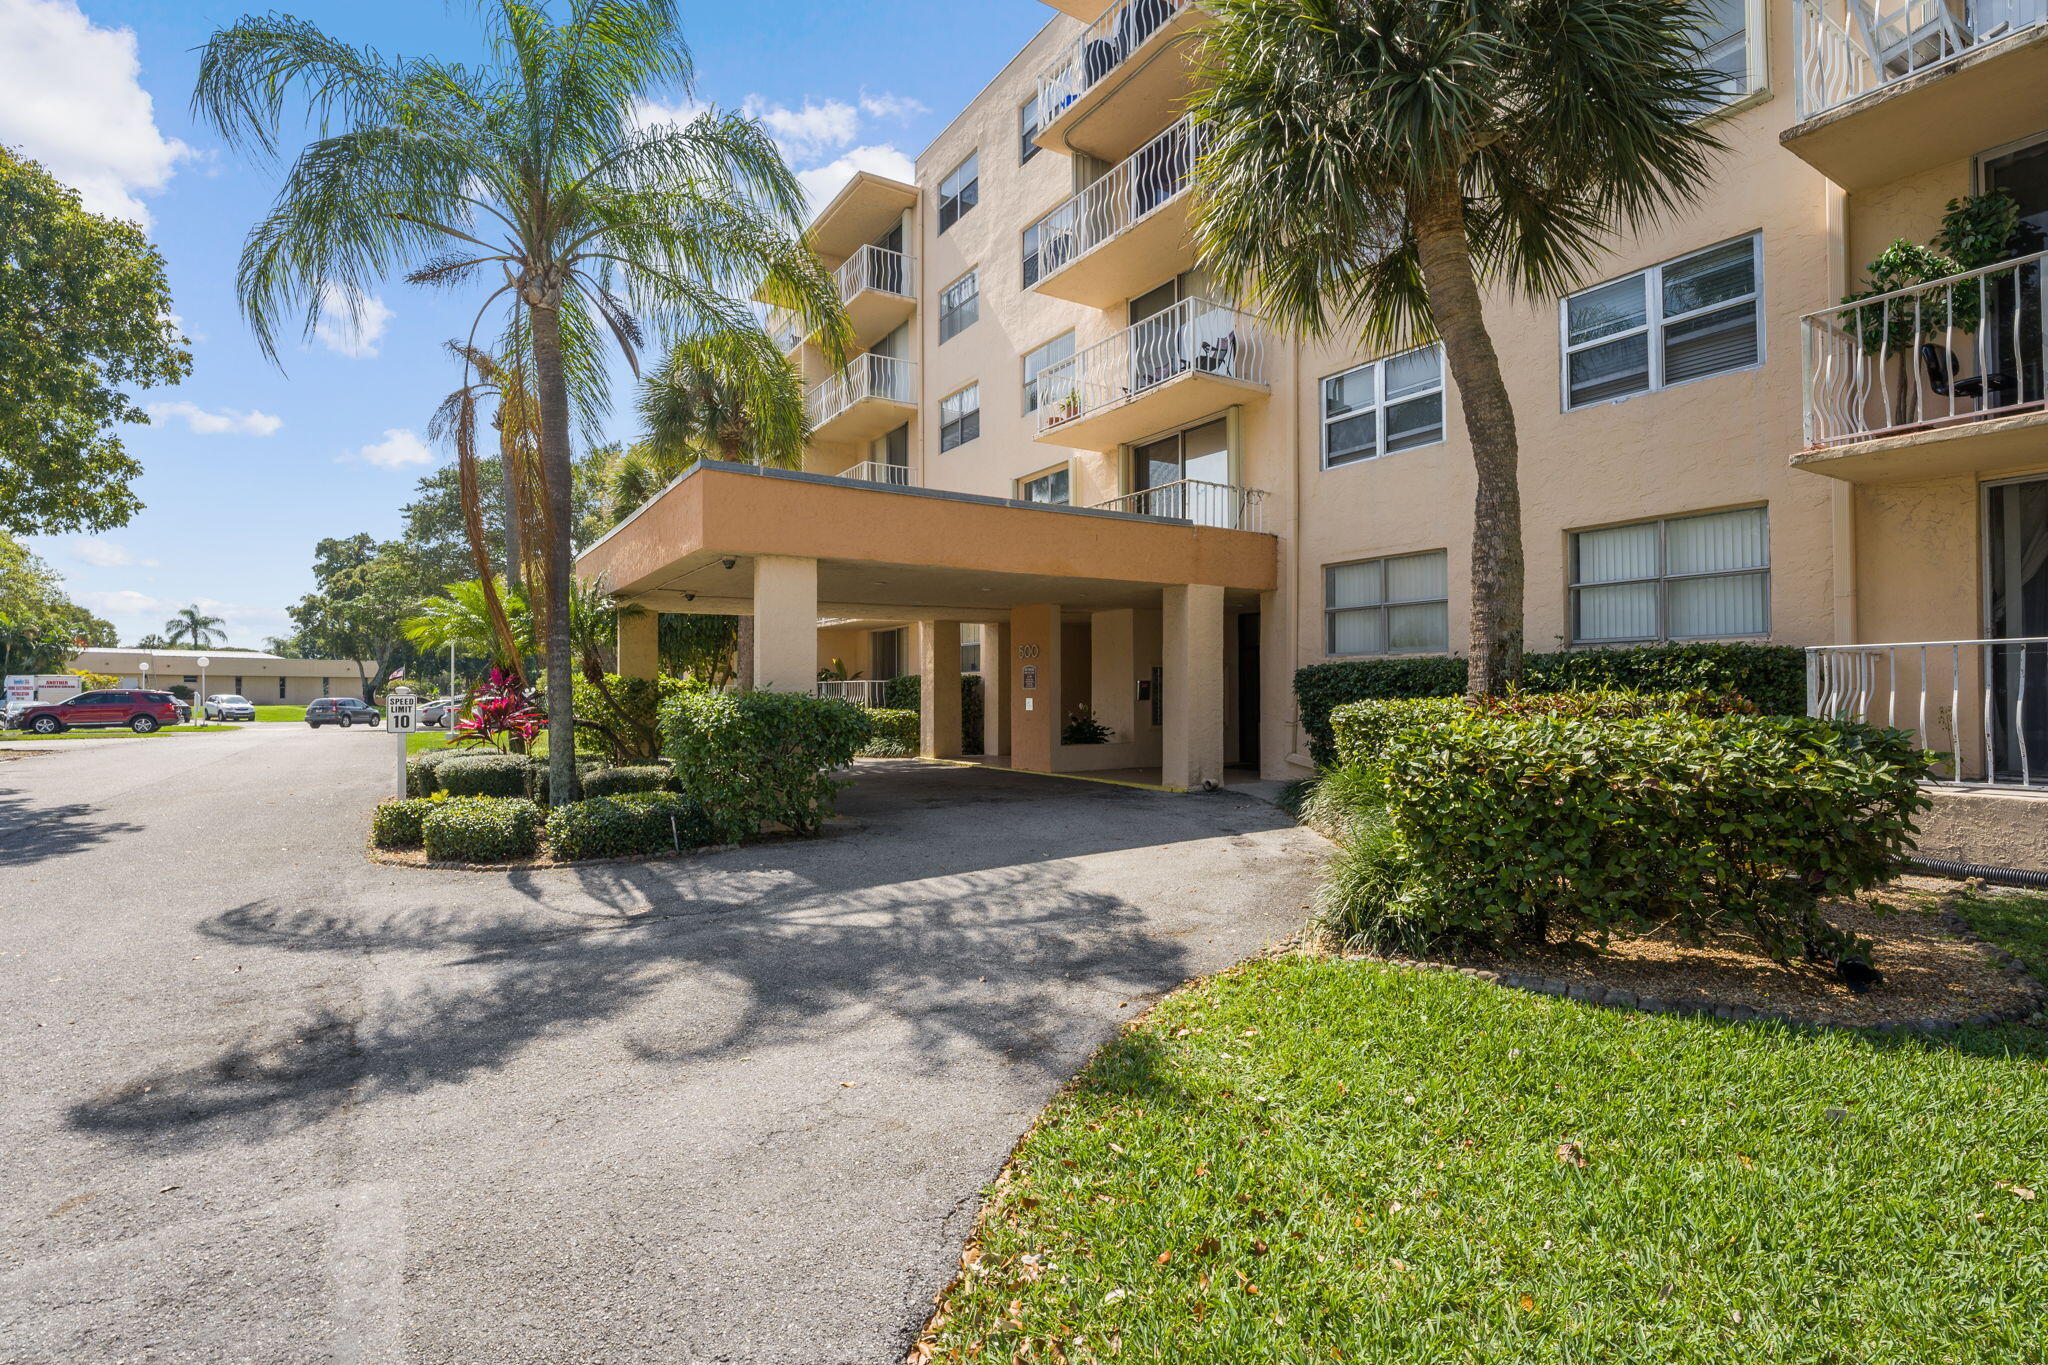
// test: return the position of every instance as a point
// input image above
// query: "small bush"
(396, 824)
(679, 823)
(1770, 677)
(894, 734)
(1372, 896)
(1514, 827)
(422, 770)
(481, 829)
(485, 774)
(648, 777)
(600, 827)
(904, 693)
(754, 757)
(1344, 798)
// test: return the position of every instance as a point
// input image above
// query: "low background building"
(265, 679)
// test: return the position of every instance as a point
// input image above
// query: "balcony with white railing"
(1942, 378)
(1888, 88)
(879, 289)
(1181, 364)
(871, 396)
(1981, 703)
(879, 471)
(1112, 87)
(1194, 500)
(869, 693)
(1128, 228)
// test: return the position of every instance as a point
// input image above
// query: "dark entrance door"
(2016, 598)
(1248, 688)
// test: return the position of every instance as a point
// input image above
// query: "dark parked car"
(342, 711)
(142, 712)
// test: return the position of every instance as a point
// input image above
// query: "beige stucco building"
(1149, 501)
(265, 679)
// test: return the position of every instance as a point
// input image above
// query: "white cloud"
(901, 108)
(225, 422)
(74, 101)
(351, 322)
(399, 449)
(106, 554)
(136, 614)
(808, 132)
(822, 182)
(651, 113)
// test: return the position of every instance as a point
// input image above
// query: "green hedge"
(894, 734)
(645, 777)
(421, 770)
(396, 824)
(625, 826)
(1771, 677)
(1360, 730)
(907, 694)
(486, 774)
(481, 829)
(753, 757)
(1512, 827)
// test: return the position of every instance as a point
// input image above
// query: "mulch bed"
(1936, 973)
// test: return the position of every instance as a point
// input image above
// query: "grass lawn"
(1315, 1160)
(2015, 922)
(275, 712)
(113, 732)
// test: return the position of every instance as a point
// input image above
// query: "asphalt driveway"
(266, 1101)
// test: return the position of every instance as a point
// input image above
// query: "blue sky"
(246, 466)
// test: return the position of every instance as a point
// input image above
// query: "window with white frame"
(1679, 321)
(959, 306)
(960, 417)
(1399, 604)
(1701, 577)
(1052, 353)
(1392, 404)
(1054, 486)
(1725, 48)
(970, 648)
(959, 191)
(1028, 124)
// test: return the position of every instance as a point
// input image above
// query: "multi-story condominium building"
(1135, 495)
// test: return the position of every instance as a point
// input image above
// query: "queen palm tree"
(1373, 165)
(532, 172)
(195, 626)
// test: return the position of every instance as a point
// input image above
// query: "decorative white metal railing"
(879, 471)
(874, 267)
(1146, 181)
(872, 693)
(1193, 336)
(1983, 703)
(869, 376)
(1958, 349)
(1101, 48)
(1205, 504)
(785, 329)
(1848, 48)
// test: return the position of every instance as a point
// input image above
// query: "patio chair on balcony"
(1908, 36)
(1944, 379)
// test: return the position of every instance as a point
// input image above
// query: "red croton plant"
(500, 712)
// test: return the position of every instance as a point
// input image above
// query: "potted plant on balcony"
(1064, 409)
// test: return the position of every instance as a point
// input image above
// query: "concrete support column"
(938, 667)
(639, 643)
(1113, 671)
(1034, 674)
(785, 623)
(996, 688)
(1193, 740)
(1276, 689)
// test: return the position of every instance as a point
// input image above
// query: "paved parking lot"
(270, 1102)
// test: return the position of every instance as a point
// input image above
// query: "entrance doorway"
(2016, 608)
(1248, 689)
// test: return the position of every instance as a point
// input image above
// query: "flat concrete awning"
(889, 552)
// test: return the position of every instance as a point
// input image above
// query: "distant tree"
(363, 592)
(152, 642)
(433, 520)
(85, 315)
(40, 627)
(194, 627)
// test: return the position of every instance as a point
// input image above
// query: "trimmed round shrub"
(486, 774)
(421, 770)
(648, 777)
(396, 824)
(481, 829)
(753, 757)
(1361, 730)
(895, 734)
(679, 823)
(602, 827)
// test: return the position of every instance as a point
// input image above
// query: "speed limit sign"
(402, 710)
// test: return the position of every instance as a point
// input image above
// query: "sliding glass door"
(2016, 608)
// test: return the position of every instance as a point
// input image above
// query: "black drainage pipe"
(2001, 876)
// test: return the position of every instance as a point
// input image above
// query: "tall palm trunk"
(1444, 250)
(553, 396)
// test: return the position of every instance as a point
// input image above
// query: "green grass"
(1312, 1160)
(276, 712)
(2015, 921)
(113, 732)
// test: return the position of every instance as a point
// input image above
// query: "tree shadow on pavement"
(982, 960)
(30, 834)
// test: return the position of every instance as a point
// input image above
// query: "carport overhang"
(791, 549)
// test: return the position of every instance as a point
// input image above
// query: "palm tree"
(1372, 165)
(486, 621)
(530, 171)
(191, 624)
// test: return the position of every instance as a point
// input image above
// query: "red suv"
(142, 712)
